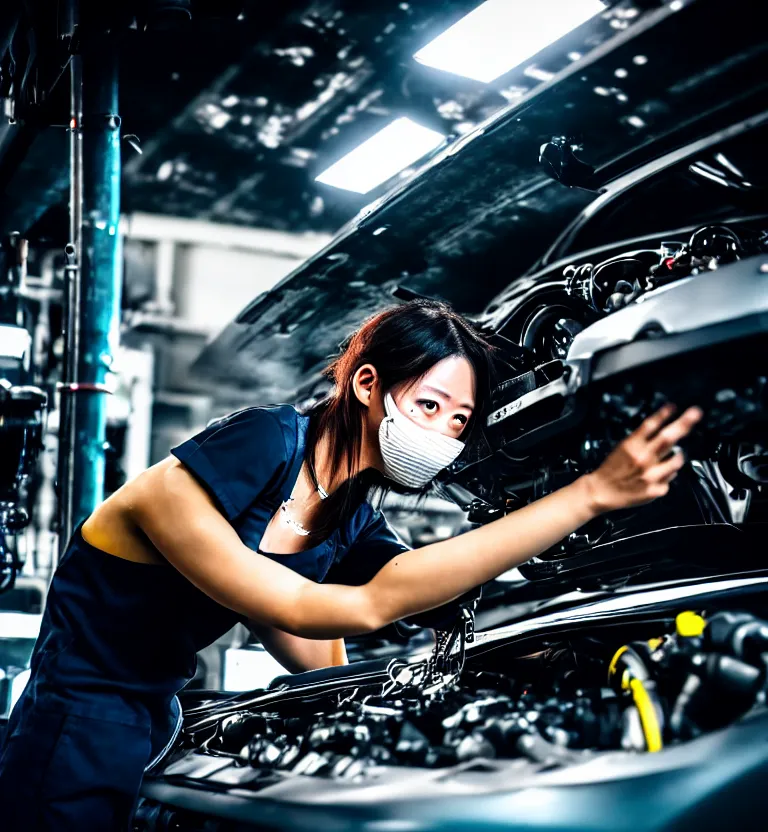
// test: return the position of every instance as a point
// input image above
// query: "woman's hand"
(641, 467)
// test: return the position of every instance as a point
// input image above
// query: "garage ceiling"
(237, 115)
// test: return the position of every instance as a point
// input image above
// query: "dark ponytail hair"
(403, 343)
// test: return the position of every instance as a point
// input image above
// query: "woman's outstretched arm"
(637, 471)
(182, 522)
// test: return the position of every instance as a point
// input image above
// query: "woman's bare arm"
(180, 519)
(298, 654)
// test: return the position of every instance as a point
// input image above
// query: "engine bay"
(591, 350)
(588, 342)
(553, 706)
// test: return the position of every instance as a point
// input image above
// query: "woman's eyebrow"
(447, 396)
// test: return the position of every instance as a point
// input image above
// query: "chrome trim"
(558, 387)
(631, 602)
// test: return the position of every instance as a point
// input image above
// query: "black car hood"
(484, 213)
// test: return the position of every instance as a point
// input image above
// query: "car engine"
(616, 282)
(593, 349)
(553, 707)
(589, 291)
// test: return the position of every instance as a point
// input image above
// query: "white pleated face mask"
(413, 455)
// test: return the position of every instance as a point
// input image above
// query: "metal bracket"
(83, 387)
(445, 664)
(450, 650)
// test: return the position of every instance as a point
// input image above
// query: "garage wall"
(212, 285)
(184, 281)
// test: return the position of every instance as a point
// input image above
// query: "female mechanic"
(244, 522)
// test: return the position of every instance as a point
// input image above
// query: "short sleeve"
(237, 459)
(371, 551)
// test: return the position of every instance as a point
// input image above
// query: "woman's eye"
(429, 406)
(461, 419)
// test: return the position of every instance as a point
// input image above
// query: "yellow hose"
(648, 717)
(615, 660)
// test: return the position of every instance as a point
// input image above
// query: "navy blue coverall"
(119, 639)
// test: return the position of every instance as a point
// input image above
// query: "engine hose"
(648, 717)
(626, 658)
(628, 671)
(690, 688)
(614, 663)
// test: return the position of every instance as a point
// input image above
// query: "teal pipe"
(101, 277)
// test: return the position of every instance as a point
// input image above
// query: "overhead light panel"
(500, 34)
(393, 148)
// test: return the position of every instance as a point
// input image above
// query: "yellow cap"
(690, 624)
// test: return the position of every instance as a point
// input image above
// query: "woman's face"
(443, 400)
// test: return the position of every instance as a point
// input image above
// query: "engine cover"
(726, 307)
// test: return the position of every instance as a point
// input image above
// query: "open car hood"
(643, 98)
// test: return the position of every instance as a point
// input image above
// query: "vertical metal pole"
(101, 266)
(95, 291)
(73, 283)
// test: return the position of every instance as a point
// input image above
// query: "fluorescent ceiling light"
(500, 34)
(379, 158)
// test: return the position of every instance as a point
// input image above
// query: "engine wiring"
(555, 709)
